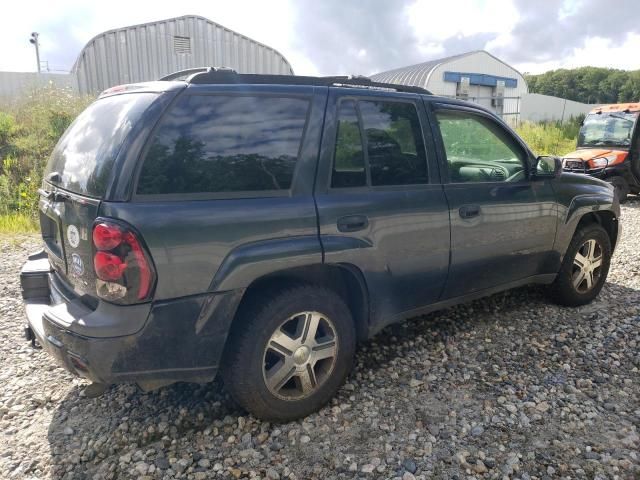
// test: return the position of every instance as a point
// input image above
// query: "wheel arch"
(606, 219)
(344, 279)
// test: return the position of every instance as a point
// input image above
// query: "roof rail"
(183, 73)
(213, 75)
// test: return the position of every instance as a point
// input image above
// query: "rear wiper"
(53, 195)
(620, 117)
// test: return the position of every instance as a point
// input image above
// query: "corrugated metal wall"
(477, 62)
(147, 52)
(14, 84)
(481, 62)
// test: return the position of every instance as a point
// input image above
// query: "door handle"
(353, 223)
(469, 211)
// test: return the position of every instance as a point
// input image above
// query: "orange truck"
(609, 148)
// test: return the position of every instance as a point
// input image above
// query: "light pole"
(34, 41)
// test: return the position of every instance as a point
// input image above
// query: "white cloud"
(434, 29)
(438, 21)
(596, 52)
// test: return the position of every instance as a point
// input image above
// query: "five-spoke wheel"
(584, 268)
(300, 355)
(587, 266)
(290, 351)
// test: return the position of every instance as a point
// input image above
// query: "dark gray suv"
(261, 226)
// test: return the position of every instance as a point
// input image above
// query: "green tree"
(588, 84)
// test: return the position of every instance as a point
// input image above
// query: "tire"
(568, 289)
(257, 368)
(621, 188)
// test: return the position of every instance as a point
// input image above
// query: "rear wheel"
(621, 188)
(584, 268)
(292, 353)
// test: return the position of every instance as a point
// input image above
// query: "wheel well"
(346, 280)
(605, 219)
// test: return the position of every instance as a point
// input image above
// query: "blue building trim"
(480, 79)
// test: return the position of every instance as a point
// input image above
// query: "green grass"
(17, 223)
(30, 127)
(548, 138)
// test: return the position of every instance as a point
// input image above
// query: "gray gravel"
(506, 387)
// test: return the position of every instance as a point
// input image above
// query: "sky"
(327, 37)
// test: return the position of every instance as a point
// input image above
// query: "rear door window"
(218, 144)
(395, 152)
(348, 166)
(394, 143)
(83, 158)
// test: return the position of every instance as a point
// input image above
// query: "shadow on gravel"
(84, 431)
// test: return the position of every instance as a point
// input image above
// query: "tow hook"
(30, 336)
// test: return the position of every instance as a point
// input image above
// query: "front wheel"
(584, 268)
(292, 353)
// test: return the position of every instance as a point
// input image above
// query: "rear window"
(84, 156)
(218, 144)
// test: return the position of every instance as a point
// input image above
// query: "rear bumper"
(176, 340)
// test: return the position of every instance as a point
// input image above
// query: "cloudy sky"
(353, 36)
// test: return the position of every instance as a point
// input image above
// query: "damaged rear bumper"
(152, 344)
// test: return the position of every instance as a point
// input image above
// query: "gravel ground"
(506, 387)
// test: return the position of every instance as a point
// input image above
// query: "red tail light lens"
(122, 264)
(109, 267)
(143, 265)
(106, 236)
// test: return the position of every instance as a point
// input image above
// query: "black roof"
(212, 75)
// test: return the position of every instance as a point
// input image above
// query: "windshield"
(610, 129)
(84, 156)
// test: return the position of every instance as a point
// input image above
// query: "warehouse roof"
(167, 20)
(419, 74)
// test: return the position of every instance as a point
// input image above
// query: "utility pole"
(34, 41)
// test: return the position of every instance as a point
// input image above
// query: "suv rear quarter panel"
(190, 240)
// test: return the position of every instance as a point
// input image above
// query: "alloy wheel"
(587, 266)
(300, 355)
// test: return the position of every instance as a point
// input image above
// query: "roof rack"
(213, 75)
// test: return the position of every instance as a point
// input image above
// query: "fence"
(14, 84)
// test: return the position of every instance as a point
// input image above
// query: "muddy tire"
(584, 268)
(292, 354)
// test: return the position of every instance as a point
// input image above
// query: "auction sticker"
(77, 266)
(73, 235)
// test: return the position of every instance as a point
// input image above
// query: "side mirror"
(547, 167)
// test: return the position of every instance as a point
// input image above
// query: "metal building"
(476, 76)
(151, 50)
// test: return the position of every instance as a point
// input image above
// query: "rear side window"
(83, 158)
(217, 144)
(394, 153)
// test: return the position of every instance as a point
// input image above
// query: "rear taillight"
(123, 267)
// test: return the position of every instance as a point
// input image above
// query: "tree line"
(588, 84)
